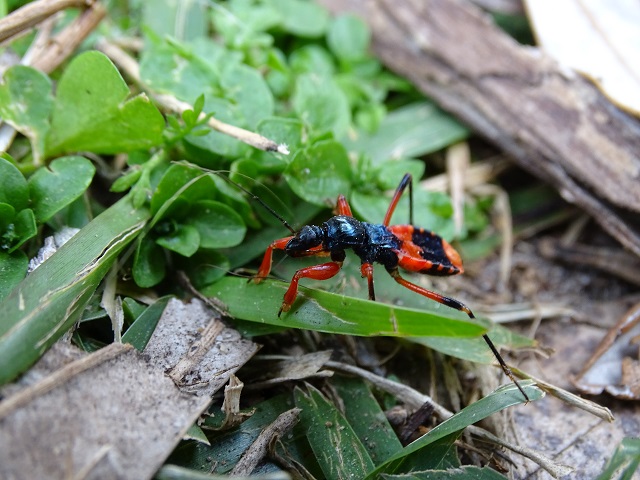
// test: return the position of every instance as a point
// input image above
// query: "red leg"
(367, 271)
(453, 303)
(343, 207)
(265, 266)
(406, 180)
(323, 271)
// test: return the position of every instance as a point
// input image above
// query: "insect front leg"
(265, 266)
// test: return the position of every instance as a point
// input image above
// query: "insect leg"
(265, 266)
(406, 181)
(323, 271)
(343, 207)
(367, 271)
(453, 303)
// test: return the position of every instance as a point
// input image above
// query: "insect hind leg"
(407, 180)
(453, 303)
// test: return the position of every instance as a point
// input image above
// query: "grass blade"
(48, 301)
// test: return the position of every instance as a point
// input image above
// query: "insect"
(394, 246)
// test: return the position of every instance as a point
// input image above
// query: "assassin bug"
(406, 246)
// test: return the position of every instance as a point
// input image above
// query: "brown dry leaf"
(614, 367)
(598, 38)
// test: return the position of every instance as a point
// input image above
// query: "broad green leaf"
(320, 173)
(206, 267)
(348, 38)
(13, 186)
(13, 268)
(25, 227)
(301, 18)
(185, 240)
(26, 103)
(282, 130)
(139, 333)
(504, 397)
(321, 104)
(331, 313)
(52, 298)
(181, 20)
(181, 181)
(216, 142)
(390, 173)
(410, 131)
(92, 111)
(55, 187)
(363, 412)
(149, 264)
(7, 215)
(244, 87)
(219, 225)
(312, 59)
(338, 449)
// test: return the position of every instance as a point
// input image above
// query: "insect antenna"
(253, 196)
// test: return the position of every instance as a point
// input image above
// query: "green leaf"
(52, 298)
(219, 225)
(320, 103)
(504, 397)
(92, 111)
(13, 268)
(185, 240)
(320, 173)
(149, 264)
(348, 38)
(182, 20)
(55, 187)
(362, 411)
(281, 130)
(410, 131)
(216, 142)
(206, 267)
(26, 103)
(312, 59)
(181, 181)
(139, 333)
(331, 313)
(7, 214)
(337, 448)
(301, 18)
(391, 173)
(245, 87)
(25, 227)
(13, 186)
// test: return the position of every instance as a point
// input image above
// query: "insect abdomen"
(425, 252)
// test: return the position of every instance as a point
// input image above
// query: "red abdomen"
(425, 252)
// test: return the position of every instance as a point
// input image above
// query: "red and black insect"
(394, 246)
